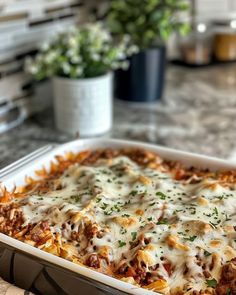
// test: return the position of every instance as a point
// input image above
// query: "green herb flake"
(211, 283)
(133, 193)
(161, 195)
(134, 235)
(123, 231)
(206, 253)
(191, 238)
(125, 215)
(104, 206)
(162, 221)
(152, 204)
(216, 211)
(121, 243)
(76, 198)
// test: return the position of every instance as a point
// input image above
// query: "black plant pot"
(144, 80)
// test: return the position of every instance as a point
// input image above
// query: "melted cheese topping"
(187, 226)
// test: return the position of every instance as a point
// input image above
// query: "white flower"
(133, 49)
(79, 71)
(121, 55)
(125, 65)
(115, 65)
(127, 38)
(74, 52)
(95, 56)
(70, 52)
(45, 46)
(72, 41)
(33, 69)
(76, 59)
(50, 56)
(66, 68)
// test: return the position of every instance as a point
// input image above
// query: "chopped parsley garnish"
(98, 200)
(228, 291)
(206, 253)
(211, 283)
(104, 206)
(121, 243)
(191, 238)
(76, 198)
(162, 221)
(149, 219)
(134, 235)
(125, 215)
(216, 211)
(161, 195)
(227, 218)
(133, 193)
(123, 231)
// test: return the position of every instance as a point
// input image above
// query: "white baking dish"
(62, 276)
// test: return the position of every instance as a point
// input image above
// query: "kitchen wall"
(210, 9)
(24, 25)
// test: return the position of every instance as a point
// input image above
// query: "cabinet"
(215, 8)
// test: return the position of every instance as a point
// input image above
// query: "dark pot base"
(144, 80)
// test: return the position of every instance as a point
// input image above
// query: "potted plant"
(149, 24)
(81, 62)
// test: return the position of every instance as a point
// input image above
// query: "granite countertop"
(197, 114)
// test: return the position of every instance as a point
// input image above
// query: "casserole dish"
(53, 275)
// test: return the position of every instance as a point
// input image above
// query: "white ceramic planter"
(83, 106)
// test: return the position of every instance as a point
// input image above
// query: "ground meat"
(227, 283)
(39, 233)
(93, 261)
(11, 219)
(90, 230)
(138, 271)
(140, 276)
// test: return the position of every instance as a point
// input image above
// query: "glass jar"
(196, 48)
(224, 45)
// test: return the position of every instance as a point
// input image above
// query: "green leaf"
(134, 235)
(162, 221)
(211, 283)
(140, 17)
(191, 238)
(206, 253)
(161, 195)
(121, 243)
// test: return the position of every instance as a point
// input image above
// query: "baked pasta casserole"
(134, 216)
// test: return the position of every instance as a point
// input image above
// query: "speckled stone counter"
(198, 113)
